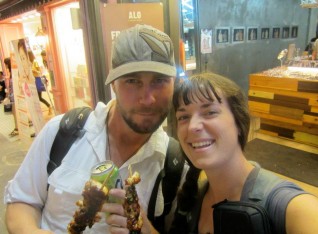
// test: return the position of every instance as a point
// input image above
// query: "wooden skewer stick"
(107, 178)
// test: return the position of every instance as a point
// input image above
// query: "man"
(127, 131)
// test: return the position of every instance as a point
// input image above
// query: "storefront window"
(72, 55)
(188, 34)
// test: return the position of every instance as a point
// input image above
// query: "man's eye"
(161, 80)
(132, 81)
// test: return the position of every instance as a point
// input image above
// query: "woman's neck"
(228, 182)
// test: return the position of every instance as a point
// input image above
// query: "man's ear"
(113, 87)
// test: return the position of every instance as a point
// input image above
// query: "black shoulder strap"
(170, 177)
(70, 129)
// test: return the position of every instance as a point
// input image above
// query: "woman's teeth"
(201, 144)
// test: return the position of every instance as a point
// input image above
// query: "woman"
(212, 127)
(10, 95)
(36, 70)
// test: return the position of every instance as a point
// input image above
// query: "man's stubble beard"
(140, 128)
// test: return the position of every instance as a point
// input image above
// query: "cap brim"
(142, 66)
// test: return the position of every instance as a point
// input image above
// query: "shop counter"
(286, 101)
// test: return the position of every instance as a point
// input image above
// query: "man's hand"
(115, 215)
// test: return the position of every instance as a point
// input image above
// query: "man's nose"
(147, 95)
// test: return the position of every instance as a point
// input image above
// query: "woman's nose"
(195, 124)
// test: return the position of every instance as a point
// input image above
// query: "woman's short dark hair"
(209, 86)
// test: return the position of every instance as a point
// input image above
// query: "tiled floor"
(6, 124)
(255, 134)
(311, 149)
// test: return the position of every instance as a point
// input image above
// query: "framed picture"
(265, 33)
(222, 35)
(285, 33)
(238, 34)
(294, 31)
(252, 33)
(276, 33)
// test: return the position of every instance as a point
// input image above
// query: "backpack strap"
(259, 186)
(71, 128)
(170, 176)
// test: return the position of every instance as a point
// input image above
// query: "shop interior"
(68, 54)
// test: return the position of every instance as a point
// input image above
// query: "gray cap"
(141, 48)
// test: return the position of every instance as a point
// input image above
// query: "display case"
(286, 101)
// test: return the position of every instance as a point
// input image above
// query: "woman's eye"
(182, 117)
(211, 113)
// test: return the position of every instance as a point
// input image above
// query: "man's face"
(143, 99)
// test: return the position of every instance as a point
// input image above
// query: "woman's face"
(24, 60)
(207, 132)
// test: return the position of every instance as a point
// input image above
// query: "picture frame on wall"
(252, 33)
(238, 34)
(276, 33)
(265, 33)
(294, 32)
(285, 32)
(222, 35)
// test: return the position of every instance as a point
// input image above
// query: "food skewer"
(95, 194)
(131, 205)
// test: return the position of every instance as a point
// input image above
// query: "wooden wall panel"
(277, 118)
(314, 96)
(314, 109)
(286, 112)
(274, 83)
(313, 101)
(307, 86)
(260, 94)
(257, 106)
(287, 107)
(310, 119)
(310, 128)
(306, 138)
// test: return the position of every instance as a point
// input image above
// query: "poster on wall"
(25, 92)
(206, 41)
